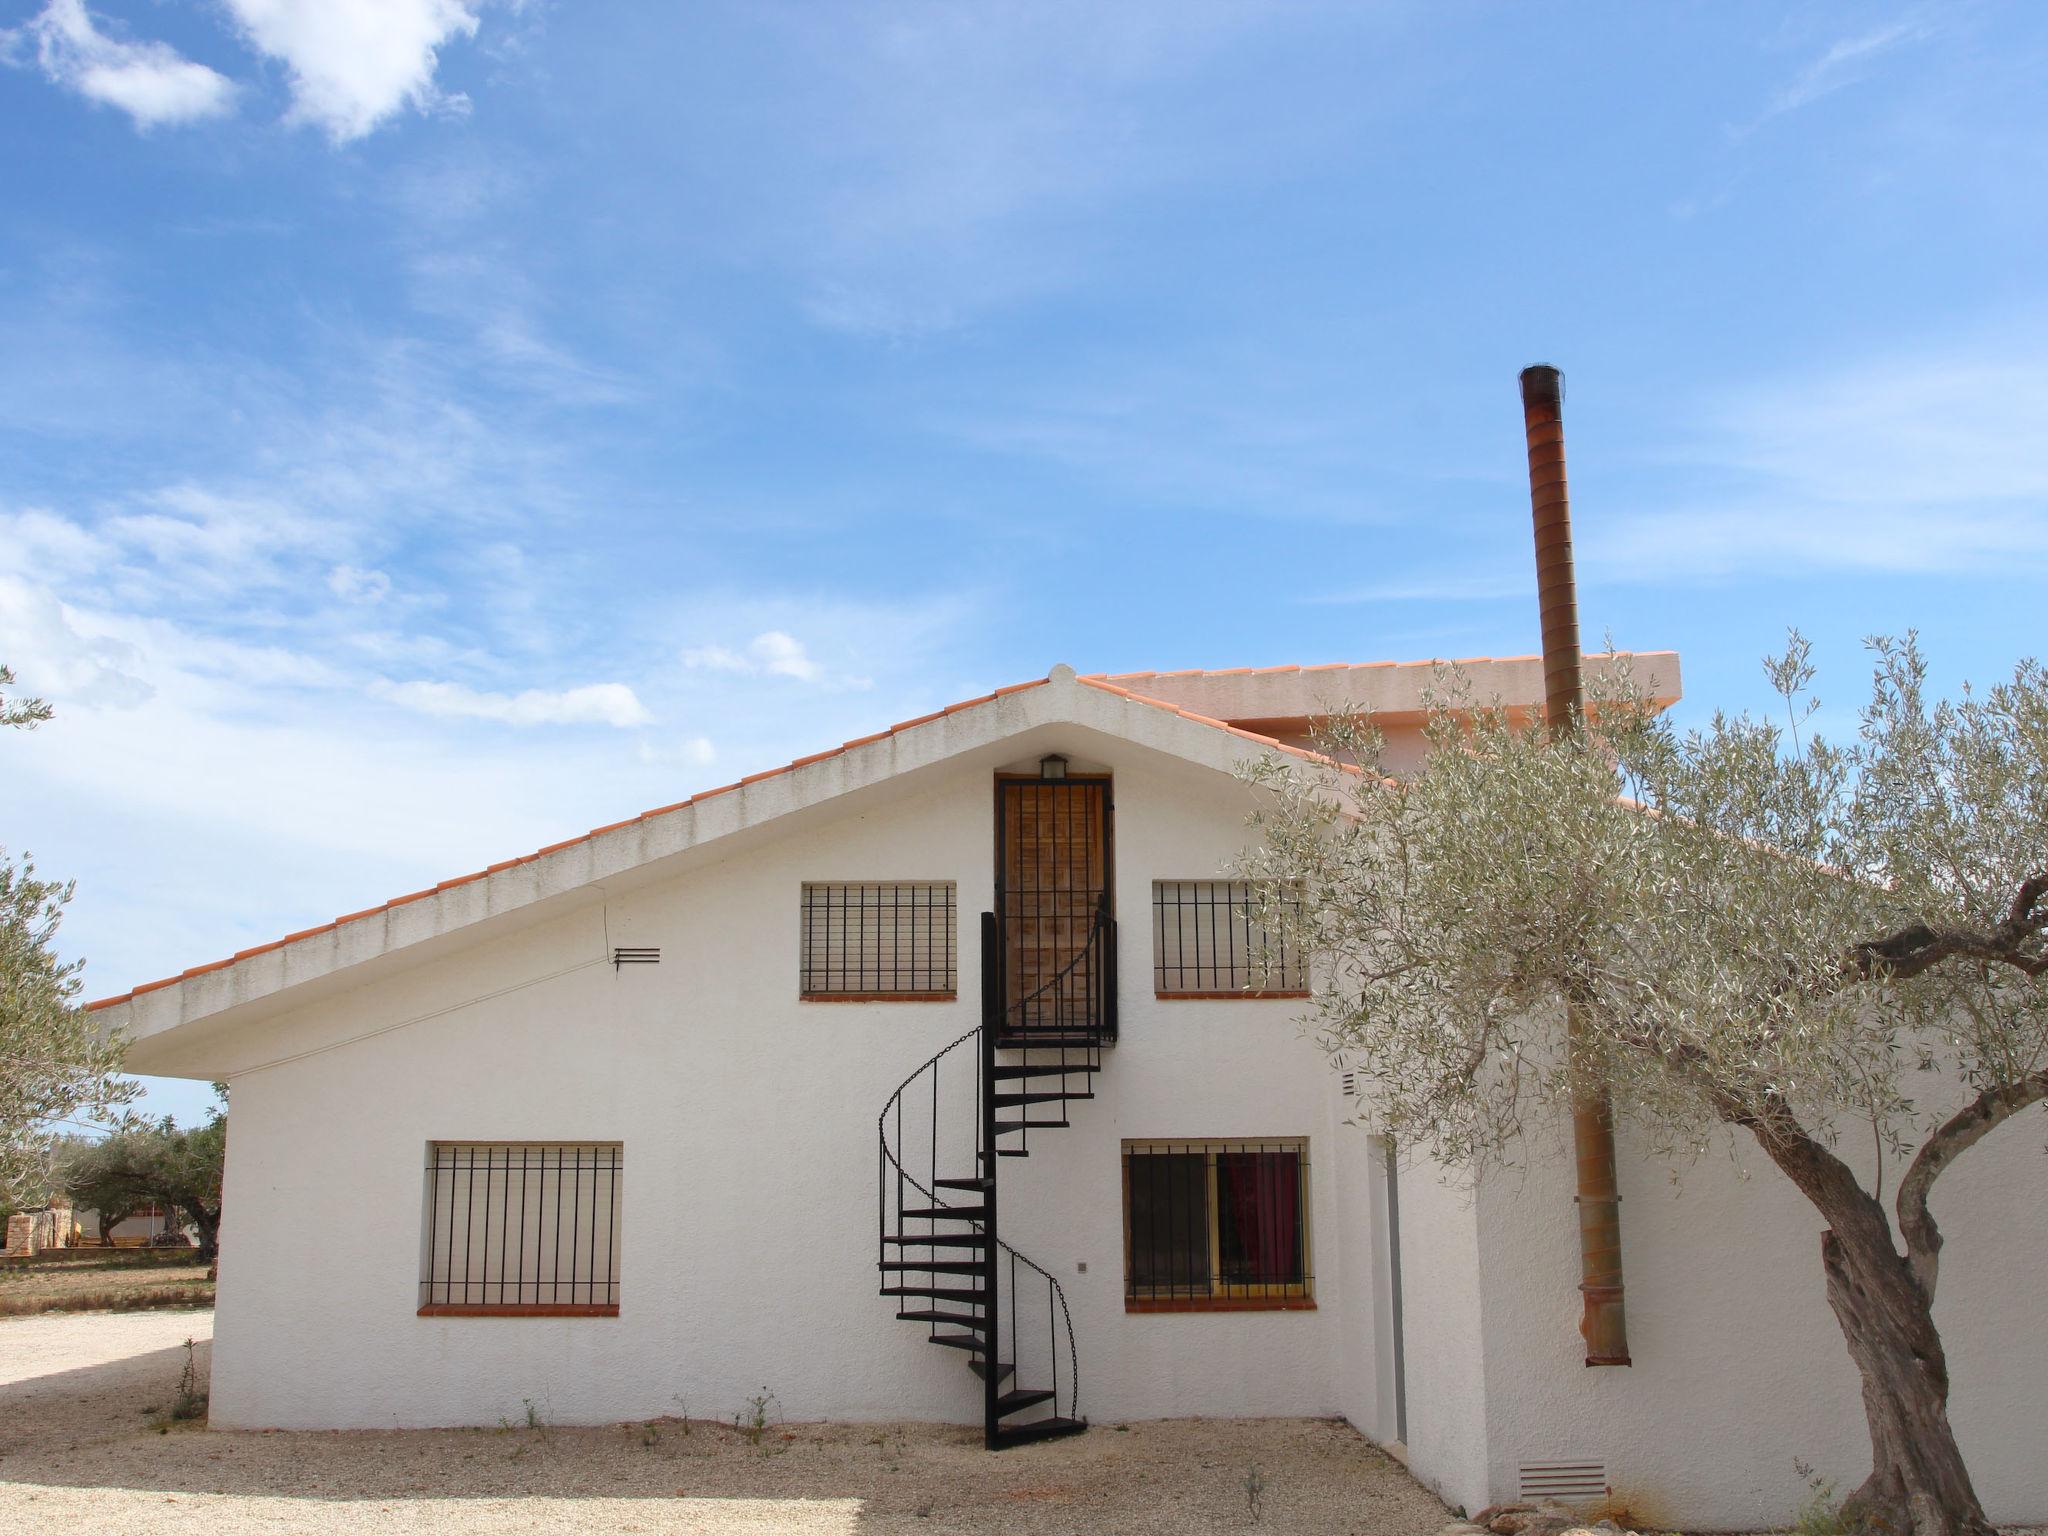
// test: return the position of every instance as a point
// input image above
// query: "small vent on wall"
(1350, 1085)
(1575, 1481)
(646, 956)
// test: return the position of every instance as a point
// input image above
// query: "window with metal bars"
(1208, 941)
(521, 1229)
(878, 941)
(1216, 1226)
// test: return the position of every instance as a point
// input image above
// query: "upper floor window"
(1207, 941)
(878, 941)
(521, 1229)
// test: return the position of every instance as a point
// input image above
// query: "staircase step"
(937, 1292)
(1013, 1151)
(948, 1213)
(939, 1239)
(1044, 1429)
(957, 1319)
(1004, 1370)
(1017, 1402)
(1005, 1100)
(960, 1341)
(1005, 1073)
(931, 1266)
(1004, 1127)
(975, 1183)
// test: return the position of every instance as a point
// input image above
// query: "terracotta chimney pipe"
(1604, 1324)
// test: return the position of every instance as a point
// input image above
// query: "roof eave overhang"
(168, 1023)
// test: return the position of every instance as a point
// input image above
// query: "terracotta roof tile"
(1333, 666)
(571, 842)
(1095, 680)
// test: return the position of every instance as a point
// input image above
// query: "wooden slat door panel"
(1053, 870)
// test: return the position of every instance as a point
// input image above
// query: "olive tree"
(159, 1162)
(100, 1177)
(1755, 928)
(54, 1065)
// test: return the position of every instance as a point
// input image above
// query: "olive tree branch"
(1953, 1137)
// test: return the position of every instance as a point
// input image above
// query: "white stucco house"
(633, 1124)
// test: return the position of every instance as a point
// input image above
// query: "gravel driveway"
(77, 1453)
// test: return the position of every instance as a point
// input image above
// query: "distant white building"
(624, 1127)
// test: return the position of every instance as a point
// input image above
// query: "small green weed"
(1255, 1492)
(188, 1403)
(752, 1420)
(1820, 1513)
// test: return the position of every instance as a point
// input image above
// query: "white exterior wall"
(1444, 1332)
(748, 1123)
(1739, 1365)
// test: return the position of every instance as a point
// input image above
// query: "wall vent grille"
(650, 955)
(1350, 1085)
(1573, 1481)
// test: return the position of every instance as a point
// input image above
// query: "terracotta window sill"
(1220, 1304)
(1214, 997)
(592, 1309)
(878, 997)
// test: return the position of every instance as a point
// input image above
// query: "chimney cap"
(1542, 382)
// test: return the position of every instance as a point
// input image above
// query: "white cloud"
(354, 63)
(1843, 63)
(948, 160)
(772, 652)
(691, 752)
(1454, 587)
(783, 655)
(51, 655)
(358, 586)
(594, 704)
(1794, 536)
(35, 541)
(1923, 459)
(716, 658)
(152, 82)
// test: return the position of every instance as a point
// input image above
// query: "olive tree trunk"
(208, 1223)
(1918, 1483)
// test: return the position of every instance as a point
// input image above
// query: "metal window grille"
(1216, 1222)
(522, 1228)
(1207, 940)
(878, 939)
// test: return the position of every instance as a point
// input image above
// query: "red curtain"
(1264, 1193)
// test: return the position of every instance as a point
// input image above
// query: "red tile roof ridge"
(1222, 725)
(570, 842)
(1093, 680)
(1339, 666)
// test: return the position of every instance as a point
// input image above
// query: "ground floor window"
(1216, 1225)
(521, 1229)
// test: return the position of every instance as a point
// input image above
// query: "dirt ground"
(78, 1452)
(78, 1278)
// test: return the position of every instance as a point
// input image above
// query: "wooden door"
(1052, 878)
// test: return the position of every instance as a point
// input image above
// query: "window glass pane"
(1258, 1217)
(1169, 1222)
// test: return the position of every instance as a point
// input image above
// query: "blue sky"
(430, 428)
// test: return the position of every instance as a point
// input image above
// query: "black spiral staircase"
(944, 1134)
